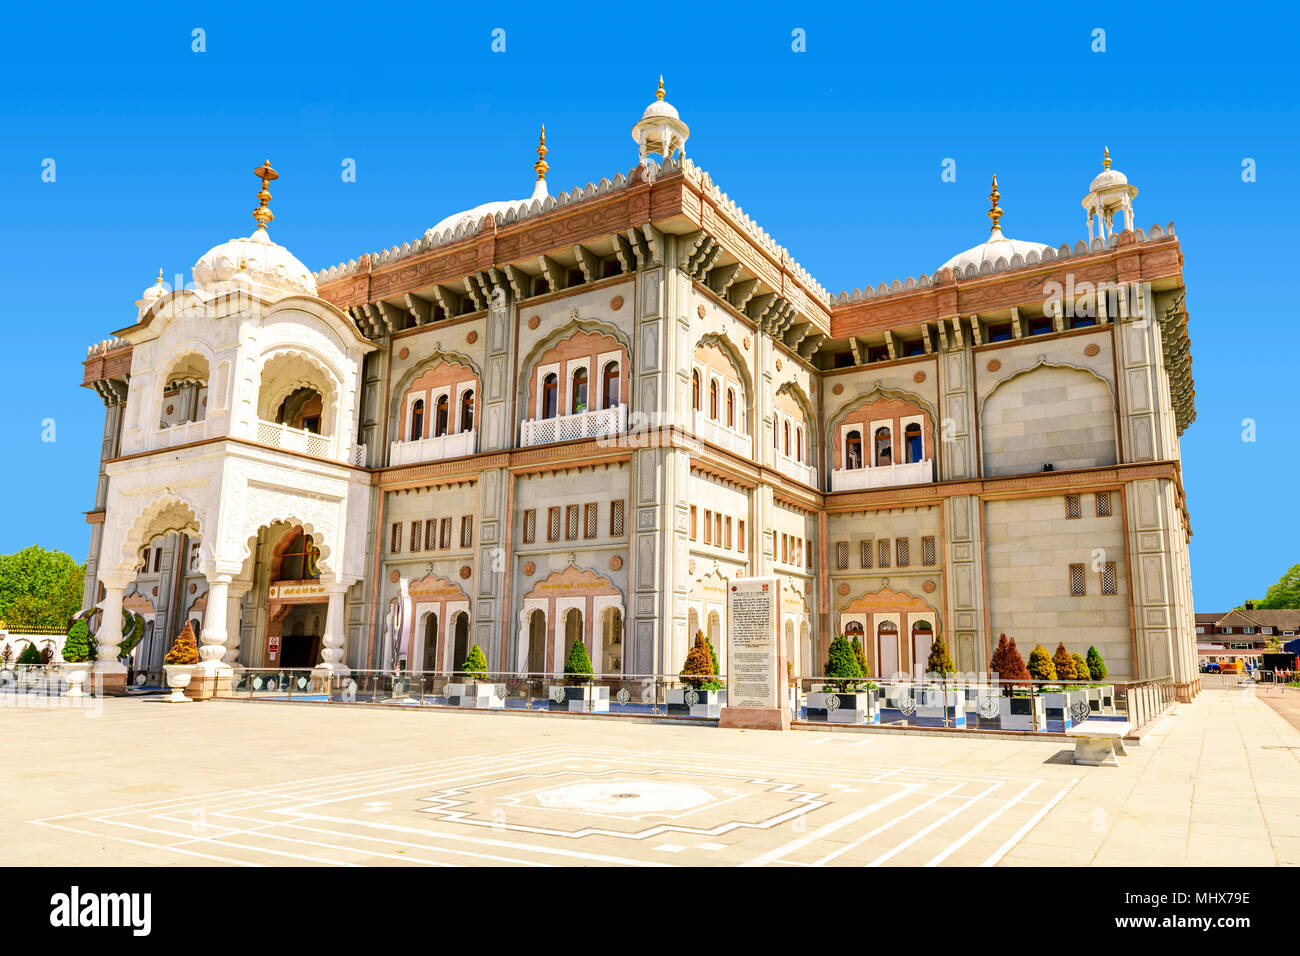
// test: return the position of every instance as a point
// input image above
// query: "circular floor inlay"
(615, 796)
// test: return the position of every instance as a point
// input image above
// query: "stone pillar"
(213, 637)
(109, 672)
(234, 623)
(331, 655)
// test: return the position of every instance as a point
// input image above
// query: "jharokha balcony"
(717, 433)
(294, 439)
(433, 448)
(592, 423)
(882, 476)
(796, 469)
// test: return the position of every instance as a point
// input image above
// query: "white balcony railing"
(294, 439)
(359, 455)
(881, 476)
(181, 434)
(796, 470)
(433, 449)
(716, 433)
(588, 424)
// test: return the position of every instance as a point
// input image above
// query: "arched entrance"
(460, 643)
(922, 638)
(572, 632)
(887, 648)
(429, 655)
(611, 642)
(537, 642)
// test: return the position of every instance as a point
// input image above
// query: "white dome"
(154, 292)
(660, 108)
(1108, 177)
(269, 268)
(475, 215)
(997, 247)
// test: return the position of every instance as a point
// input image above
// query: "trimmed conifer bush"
(699, 666)
(1007, 662)
(861, 654)
(940, 661)
(31, 655)
(577, 669)
(1096, 666)
(184, 650)
(842, 663)
(79, 646)
(1081, 670)
(475, 666)
(1063, 663)
(1040, 664)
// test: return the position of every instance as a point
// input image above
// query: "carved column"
(109, 635)
(331, 655)
(213, 637)
(234, 616)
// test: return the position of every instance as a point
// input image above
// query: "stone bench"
(1099, 742)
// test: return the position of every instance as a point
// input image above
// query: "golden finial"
(659, 95)
(541, 165)
(1105, 163)
(266, 174)
(995, 213)
(160, 282)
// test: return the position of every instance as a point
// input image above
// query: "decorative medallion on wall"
(155, 592)
(394, 576)
(464, 572)
(1092, 349)
(843, 589)
(193, 588)
(616, 303)
(837, 389)
(918, 378)
(778, 365)
(403, 353)
(170, 409)
(928, 587)
(615, 563)
(534, 322)
(472, 337)
(807, 587)
(994, 365)
(700, 311)
(529, 568)
(746, 343)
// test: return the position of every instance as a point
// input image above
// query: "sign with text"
(752, 649)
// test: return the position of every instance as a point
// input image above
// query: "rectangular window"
(1041, 326)
(415, 536)
(445, 534)
(590, 520)
(864, 552)
(1108, 579)
(1000, 333)
(430, 534)
(1072, 509)
(878, 353)
(466, 532)
(616, 519)
(708, 526)
(571, 523)
(726, 537)
(552, 524)
(927, 550)
(530, 526)
(740, 536)
(798, 552)
(695, 536)
(1103, 504)
(785, 549)
(841, 555)
(903, 549)
(1077, 585)
(717, 528)
(396, 544)
(157, 558)
(194, 557)
(882, 552)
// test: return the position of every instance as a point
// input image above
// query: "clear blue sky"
(836, 151)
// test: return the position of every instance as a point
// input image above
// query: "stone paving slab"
(239, 783)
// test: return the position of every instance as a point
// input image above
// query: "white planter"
(1021, 713)
(1067, 707)
(690, 702)
(578, 698)
(1101, 700)
(178, 678)
(940, 708)
(480, 696)
(75, 674)
(844, 707)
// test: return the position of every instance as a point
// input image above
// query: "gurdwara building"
(579, 415)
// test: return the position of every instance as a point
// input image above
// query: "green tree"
(40, 588)
(184, 650)
(940, 661)
(1285, 594)
(1040, 664)
(1063, 663)
(475, 666)
(1096, 665)
(861, 654)
(577, 669)
(79, 646)
(1081, 669)
(842, 663)
(31, 655)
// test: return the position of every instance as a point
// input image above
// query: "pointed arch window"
(550, 395)
(913, 447)
(417, 419)
(442, 412)
(467, 410)
(785, 435)
(695, 390)
(883, 451)
(853, 449)
(798, 444)
(579, 403)
(731, 408)
(610, 385)
(713, 400)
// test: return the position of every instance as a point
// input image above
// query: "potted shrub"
(180, 663)
(577, 694)
(78, 652)
(29, 660)
(473, 689)
(845, 697)
(1064, 704)
(699, 697)
(1101, 697)
(944, 706)
(1017, 707)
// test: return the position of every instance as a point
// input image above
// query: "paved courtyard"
(226, 782)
